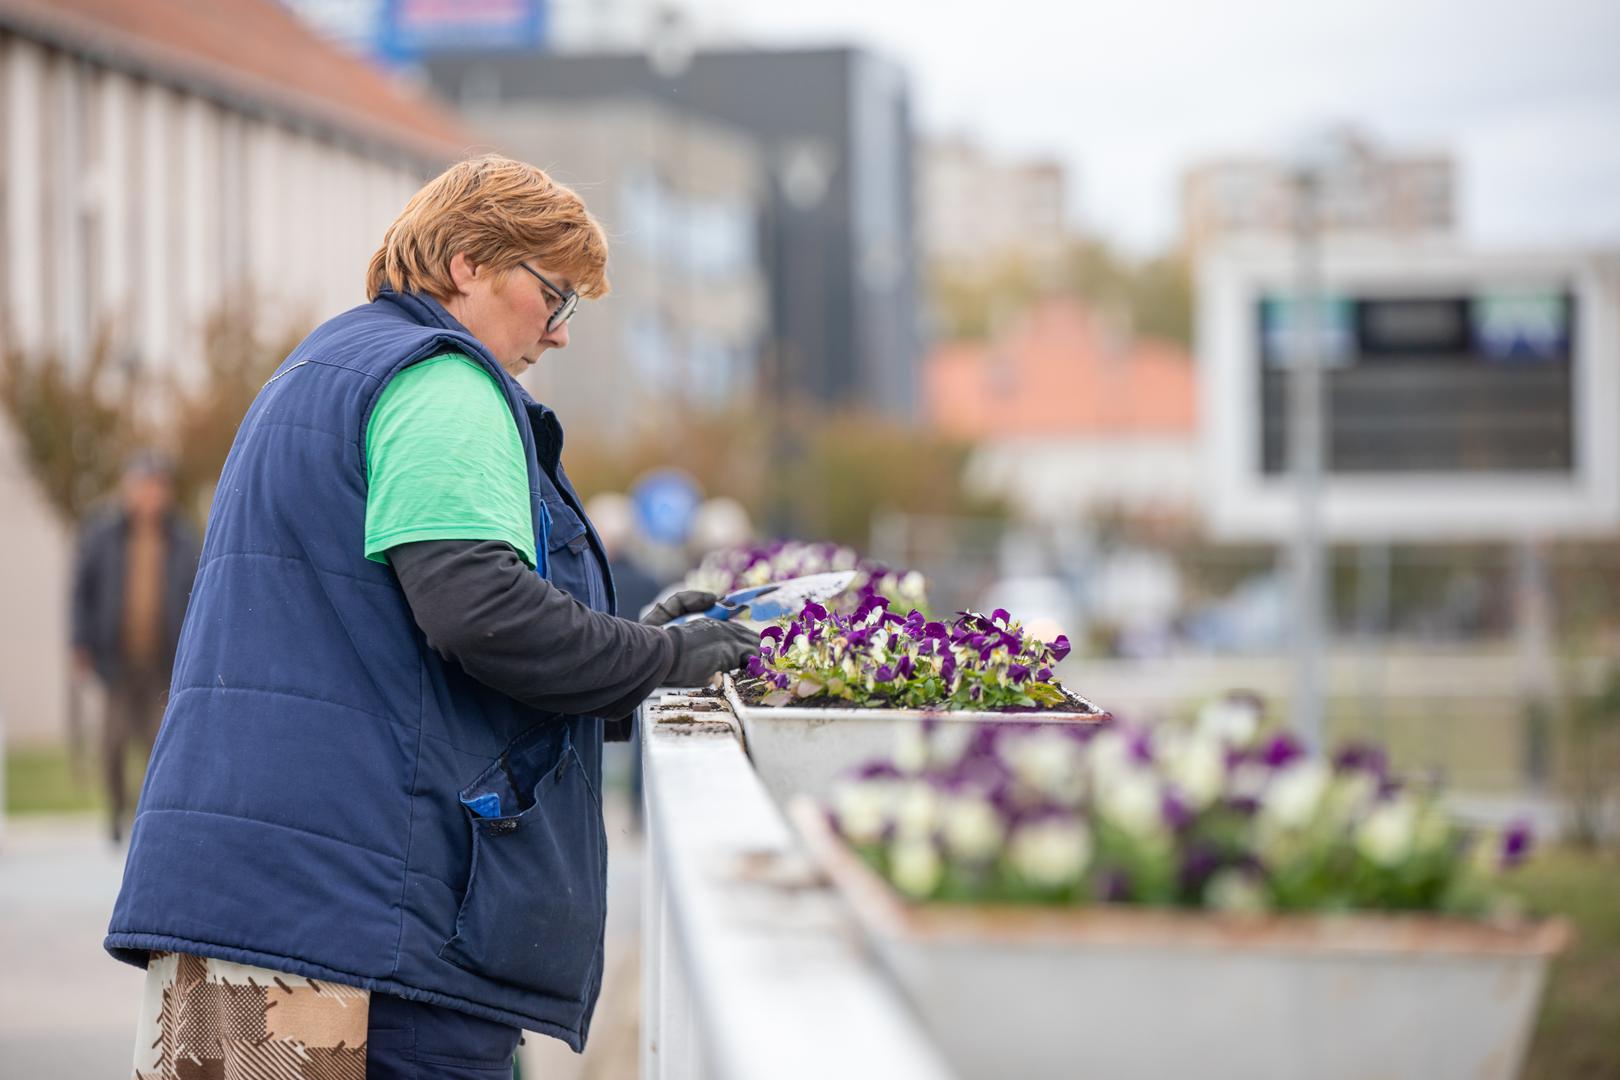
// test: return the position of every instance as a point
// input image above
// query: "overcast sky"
(1525, 95)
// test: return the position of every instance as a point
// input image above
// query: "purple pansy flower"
(1177, 814)
(1059, 647)
(1516, 843)
(1282, 749)
(884, 673)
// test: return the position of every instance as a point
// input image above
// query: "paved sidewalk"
(67, 1009)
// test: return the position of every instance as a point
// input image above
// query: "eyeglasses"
(568, 301)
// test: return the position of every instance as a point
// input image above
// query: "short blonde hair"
(499, 212)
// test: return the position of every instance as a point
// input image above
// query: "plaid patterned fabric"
(207, 1019)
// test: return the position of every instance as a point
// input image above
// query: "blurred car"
(1251, 618)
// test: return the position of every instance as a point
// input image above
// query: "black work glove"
(685, 602)
(705, 646)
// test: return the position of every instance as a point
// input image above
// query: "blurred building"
(681, 197)
(978, 213)
(163, 163)
(1366, 190)
(832, 132)
(1070, 412)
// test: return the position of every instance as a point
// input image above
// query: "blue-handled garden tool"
(765, 603)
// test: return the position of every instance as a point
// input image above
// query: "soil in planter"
(753, 691)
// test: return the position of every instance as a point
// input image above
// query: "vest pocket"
(532, 914)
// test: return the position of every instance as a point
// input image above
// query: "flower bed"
(830, 690)
(1119, 901)
(750, 565)
(877, 658)
(1131, 815)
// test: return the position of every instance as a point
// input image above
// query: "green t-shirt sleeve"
(444, 461)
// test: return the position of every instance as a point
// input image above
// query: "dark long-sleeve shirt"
(482, 607)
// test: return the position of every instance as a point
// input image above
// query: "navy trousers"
(409, 1040)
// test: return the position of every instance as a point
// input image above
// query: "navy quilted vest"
(308, 806)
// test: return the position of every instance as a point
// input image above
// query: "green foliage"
(42, 779)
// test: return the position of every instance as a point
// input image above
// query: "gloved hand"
(705, 646)
(685, 602)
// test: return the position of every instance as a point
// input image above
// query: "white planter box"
(802, 751)
(1044, 993)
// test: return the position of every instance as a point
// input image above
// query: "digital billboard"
(1460, 382)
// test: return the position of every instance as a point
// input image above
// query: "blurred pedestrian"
(615, 519)
(131, 579)
(377, 797)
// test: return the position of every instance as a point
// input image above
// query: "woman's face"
(508, 312)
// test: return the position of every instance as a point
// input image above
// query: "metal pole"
(1305, 431)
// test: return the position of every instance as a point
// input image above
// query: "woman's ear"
(463, 271)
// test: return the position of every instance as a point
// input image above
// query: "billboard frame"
(1243, 503)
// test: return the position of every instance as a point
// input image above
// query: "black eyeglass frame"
(569, 301)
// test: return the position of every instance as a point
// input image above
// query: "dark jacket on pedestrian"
(97, 618)
(329, 795)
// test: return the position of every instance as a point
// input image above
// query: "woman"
(371, 834)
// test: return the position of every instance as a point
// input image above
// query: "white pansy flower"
(1350, 796)
(1052, 853)
(1233, 890)
(1386, 836)
(1433, 829)
(1197, 765)
(1047, 761)
(1295, 793)
(1108, 753)
(916, 812)
(911, 750)
(915, 867)
(1132, 800)
(971, 827)
(948, 742)
(913, 583)
(864, 808)
(1229, 721)
(1249, 780)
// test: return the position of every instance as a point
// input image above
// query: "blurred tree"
(1154, 295)
(853, 466)
(79, 423)
(76, 423)
(823, 476)
(202, 410)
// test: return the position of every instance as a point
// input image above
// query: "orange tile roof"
(252, 53)
(1058, 373)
